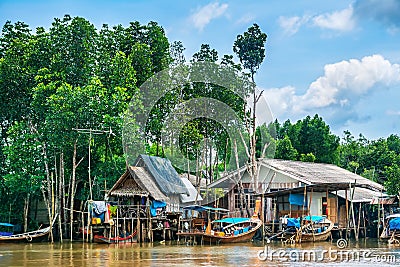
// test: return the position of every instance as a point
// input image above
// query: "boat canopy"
(203, 208)
(315, 219)
(397, 215)
(232, 220)
(7, 224)
(293, 222)
(394, 224)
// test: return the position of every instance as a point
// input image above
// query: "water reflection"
(172, 254)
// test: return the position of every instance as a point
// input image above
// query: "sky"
(339, 59)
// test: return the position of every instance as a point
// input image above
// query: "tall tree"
(250, 48)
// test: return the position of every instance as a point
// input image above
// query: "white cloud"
(205, 14)
(280, 100)
(393, 112)
(342, 20)
(345, 81)
(291, 25)
(339, 90)
(245, 19)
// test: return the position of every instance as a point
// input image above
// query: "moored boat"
(232, 230)
(391, 230)
(113, 240)
(32, 236)
(313, 229)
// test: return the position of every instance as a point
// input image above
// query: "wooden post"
(352, 213)
(379, 219)
(328, 210)
(347, 212)
(309, 214)
(304, 201)
(273, 222)
(117, 226)
(138, 228)
(262, 215)
(359, 221)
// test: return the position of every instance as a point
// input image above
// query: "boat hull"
(115, 240)
(34, 236)
(216, 238)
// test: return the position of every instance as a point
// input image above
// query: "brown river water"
(363, 253)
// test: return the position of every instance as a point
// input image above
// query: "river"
(364, 253)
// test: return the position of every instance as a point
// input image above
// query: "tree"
(250, 48)
(285, 150)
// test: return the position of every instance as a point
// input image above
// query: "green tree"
(250, 48)
(285, 150)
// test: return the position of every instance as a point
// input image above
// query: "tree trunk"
(26, 211)
(72, 191)
(243, 202)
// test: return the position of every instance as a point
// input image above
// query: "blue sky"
(339, 58)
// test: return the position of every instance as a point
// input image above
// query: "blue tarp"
(314, 219)
(232, 220)
(7, 224)
(203, 208)
(297, 199)
(293, 222)
(394, 224)
(156, 205)
(6, 233)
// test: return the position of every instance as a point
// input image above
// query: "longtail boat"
(33, 236)
(391, 230)
(232, 230)
(113, 240)
(315, 228)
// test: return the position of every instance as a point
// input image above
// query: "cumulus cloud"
(339, 90)
(342, 21)
(345, 81)
(338, 20)
(291, 25)
(280, 100)
(205, 14)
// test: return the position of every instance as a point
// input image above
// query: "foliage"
(54, 83)
(310, 135)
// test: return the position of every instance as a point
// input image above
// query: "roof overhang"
(327, 187)
(227, 180)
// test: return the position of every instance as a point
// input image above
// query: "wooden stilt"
(347, 212)
(359, 221)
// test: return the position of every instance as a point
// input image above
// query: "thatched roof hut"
(152, 176)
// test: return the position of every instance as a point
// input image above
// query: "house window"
(249, 198)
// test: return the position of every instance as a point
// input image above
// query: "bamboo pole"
(359, 221)
(347, 212)
(309, 214)
(352, 212)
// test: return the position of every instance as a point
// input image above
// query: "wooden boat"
(227, 230)
(391, 230)
(114, 240)
(315, 228)
(32, 236)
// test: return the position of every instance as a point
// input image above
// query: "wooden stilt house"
(146, 199)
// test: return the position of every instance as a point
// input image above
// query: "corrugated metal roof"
(192, 178)
(192, 193)
(361, 194)
(163, 173)
(318, 173)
